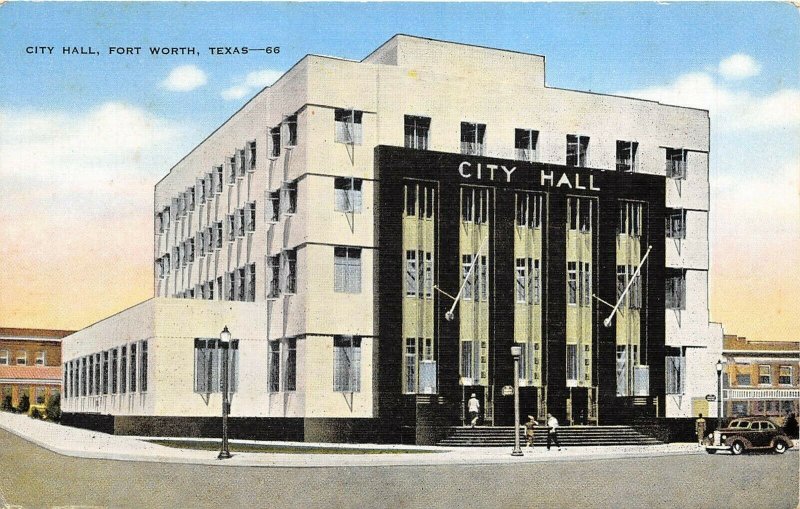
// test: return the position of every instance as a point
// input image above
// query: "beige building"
(294, 225)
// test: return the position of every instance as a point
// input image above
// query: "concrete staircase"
(568, 436)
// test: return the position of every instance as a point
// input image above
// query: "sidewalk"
(83, 443)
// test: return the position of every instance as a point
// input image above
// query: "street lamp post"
(719, 394)
(225, 341)
(516, 351)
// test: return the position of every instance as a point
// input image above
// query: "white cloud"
(251, 83)
(729, 109)
(185, 78)
(739, 66)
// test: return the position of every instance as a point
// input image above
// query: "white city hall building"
(331, 222)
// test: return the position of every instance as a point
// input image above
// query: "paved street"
(35, 477)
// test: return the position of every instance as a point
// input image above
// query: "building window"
(274, 366)
(675, 369)
(274, 273)
(785, 375)
(190, 250)
(525, 142)
(346, 363)
(577, 148)
(251, 282)
(572, 283)
(201, 191)
(241, 163)
(209, 239)
(419, 367)
(743, 379)
(250, 216)
(572, 362)
(472, 136)
(527, 278)
(347, 269)
(83, 377)
(419, 195)
(416, 132)
(290, 381)
(275, 139)
(97, 380)
(241, 219)
(105, 372)
(251, 156)
(626, 155)
(579, 214)
(291, 130)
(208, 365)
(22, 358)
(528, 210)
(4, 357)
(232, 170)
(289, 197)
(347, 194)
(190, 198)
(132, 371)
(467, 276)
(676, 163)
(348, 126)
(412, 274)
(274, 207)
(143, 370)
(217, 235)
(200, 242)
(165, 216)
(240, 284)
(41, 358)
(586, 284)
(289, 259)
(123, 369)
(475, 205)
(630, 219)
(676, 224)
(764, 374)
(114, 370)
(218, 179)
(521, 280)
(231, 220)
(675, 287)
(159, 223)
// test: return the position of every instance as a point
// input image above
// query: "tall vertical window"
(577, 150)
(586, 284)
(274, 362)
(250, 216)
(676, 167)
(675, 369)
(159, 223)
(251, 156)
(348, 126)
(208, 364)
(630, 219)
(521, 285)
(525, 142)
(410, 363)
(250, 273)
(572, 283)
(347, 269)
(290, 380)
(241, 162)
(764, 374)
(416, 132)
(346, 363)
(123, 370)
(475, 205)
(275, 141)
(289, 197)
(289, 262)
(105, 372)
(274, 207)
(240, 220)
(84, 387)
(291, 130)
(785, 375)
(240, 284)
(114, 370)
(675, 289)
(190, 197)
(4, 357)
(626, 155)
(676, 224)
(428, 277)
(22, 358)
(572, 362)
(201, 191)
(419, 366)
(579, 213)
(41, 358)
(412, 274)
(97, 379)
(132, 372)
(217, 179)
(232, 170)
(472, 137)
(274, 274)
(231, 220)
(347, 194)
(528, 210)
(143, 370)
(467, 277)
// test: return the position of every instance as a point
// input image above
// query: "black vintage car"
(748, 433)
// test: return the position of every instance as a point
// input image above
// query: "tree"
(24, 404)
(54, 408)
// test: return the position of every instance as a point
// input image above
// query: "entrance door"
(580, 405)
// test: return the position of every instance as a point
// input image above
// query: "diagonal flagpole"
(449, 315)
(607, 321)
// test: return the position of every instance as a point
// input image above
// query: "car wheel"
(780, 447)
(737, 448)
(711, 451)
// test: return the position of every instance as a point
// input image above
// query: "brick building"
(30, 363)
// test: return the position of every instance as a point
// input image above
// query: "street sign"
(711, 397)
(508, 390)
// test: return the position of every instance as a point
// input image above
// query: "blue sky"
(103, 129)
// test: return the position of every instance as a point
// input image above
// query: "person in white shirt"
(552, 433)
(474, 408)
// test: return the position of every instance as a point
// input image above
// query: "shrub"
(54, 408)
(6, 404)
(35, 413)
(24, 404)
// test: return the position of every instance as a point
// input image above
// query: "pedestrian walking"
(474, 408)
(552, 432)
(529, 427)
(700, 429)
